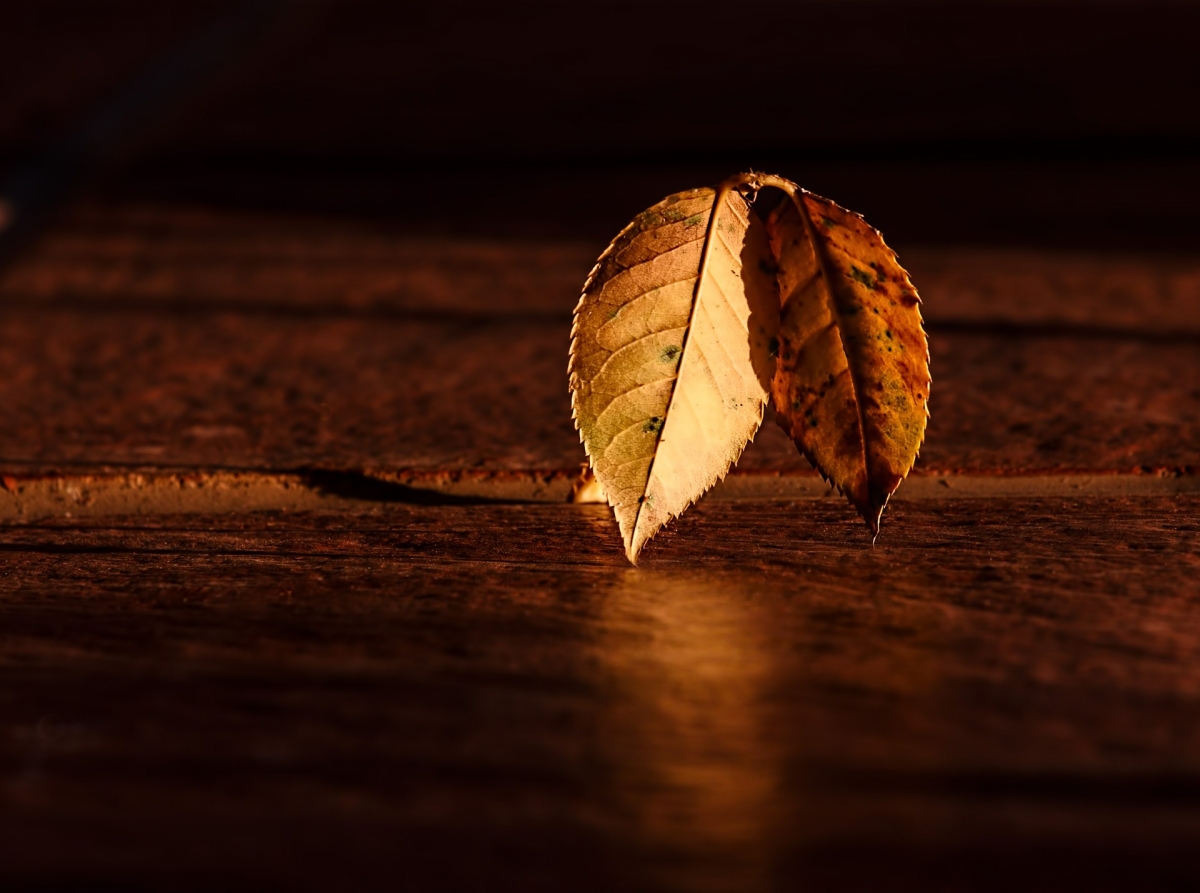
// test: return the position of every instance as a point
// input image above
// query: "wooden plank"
(166, 337)
(162, 256)
(192, 492)
(158, 257)
(994, 691)
(95, 388)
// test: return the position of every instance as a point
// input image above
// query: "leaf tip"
(872, 515)
(871, 509)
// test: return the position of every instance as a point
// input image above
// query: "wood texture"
(90, 388)
(186, 338)
(197, 258)
(993, 693)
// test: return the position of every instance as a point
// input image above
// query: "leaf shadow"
(364, 488)
(762, 295)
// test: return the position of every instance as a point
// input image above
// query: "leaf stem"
(758, 181)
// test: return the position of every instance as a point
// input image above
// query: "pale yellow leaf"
(670, 365)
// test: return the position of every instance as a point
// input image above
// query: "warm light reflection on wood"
(688, 732)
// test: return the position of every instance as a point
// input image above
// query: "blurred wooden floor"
(292, 600)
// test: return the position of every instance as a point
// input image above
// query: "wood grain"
(196, 258)
(161, 336)
(88, 389)
(995, 691)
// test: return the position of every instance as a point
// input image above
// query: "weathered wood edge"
(29, 497)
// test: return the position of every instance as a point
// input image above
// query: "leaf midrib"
(705, 253)
(824, 265)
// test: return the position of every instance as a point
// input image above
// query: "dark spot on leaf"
(827, 223)
(767, 267)
(653, 425)
(648, 220)
(862, 276)
(773, 347)
(693, 220)
(670, 353)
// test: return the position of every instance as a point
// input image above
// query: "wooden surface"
(206, 339)
(1001, 692)
(291, 596)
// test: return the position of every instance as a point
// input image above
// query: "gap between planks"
(40, 496)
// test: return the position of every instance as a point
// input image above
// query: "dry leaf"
(670, 366)
(852, 382)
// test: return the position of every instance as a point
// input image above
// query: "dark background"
(1055, 124)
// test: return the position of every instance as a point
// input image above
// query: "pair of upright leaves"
(700, 311)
